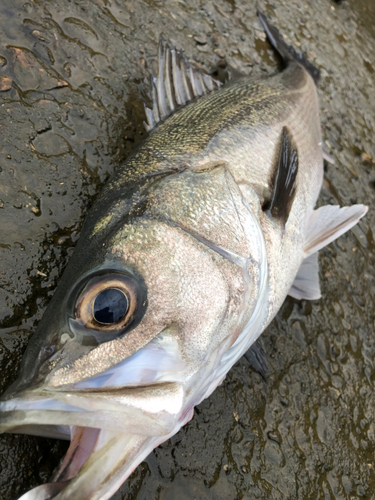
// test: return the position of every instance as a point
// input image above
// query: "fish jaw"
(113, 459)
(112, 428)
(106, 444)
(150, 411)
(110, 458)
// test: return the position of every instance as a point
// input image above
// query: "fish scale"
(194, 126)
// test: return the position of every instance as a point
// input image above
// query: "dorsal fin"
(178, 83)
(287, 52)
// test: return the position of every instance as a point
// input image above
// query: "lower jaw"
(106, 445)
(96, 464)
(95, 470)
(98, 461)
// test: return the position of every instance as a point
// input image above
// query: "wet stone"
(51, 145)
(201, 39)
(42, 125)
(5, 83)
(73, 87)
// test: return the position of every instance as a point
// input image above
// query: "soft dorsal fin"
(284, 182)
(178, 83)
(328, 223)
(287, 52)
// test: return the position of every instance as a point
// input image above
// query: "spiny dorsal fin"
(178, 83)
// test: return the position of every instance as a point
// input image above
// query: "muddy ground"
(73, 79)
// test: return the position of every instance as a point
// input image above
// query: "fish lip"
(156, 407)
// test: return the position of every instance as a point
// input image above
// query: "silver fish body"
(197, 245)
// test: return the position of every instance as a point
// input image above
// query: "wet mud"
(73, 79)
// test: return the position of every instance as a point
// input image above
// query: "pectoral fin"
(325, 225)
(306, 284)
(284, 181)
(328, 223)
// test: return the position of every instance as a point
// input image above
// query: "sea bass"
(184, 259)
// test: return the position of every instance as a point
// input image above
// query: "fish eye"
(110, 306)
(108, 302)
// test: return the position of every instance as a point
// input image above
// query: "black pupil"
(110, 306)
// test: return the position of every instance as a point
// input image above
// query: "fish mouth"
(113, 420)
(111, 432)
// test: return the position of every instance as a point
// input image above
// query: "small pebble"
(367, 158)
(201, 39)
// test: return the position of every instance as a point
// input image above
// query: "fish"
(184, 259)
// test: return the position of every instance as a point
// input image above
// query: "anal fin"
(285, 179)
(306, 283)
(256, 356)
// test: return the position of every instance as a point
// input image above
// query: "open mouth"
(111, 432)
(113, 420)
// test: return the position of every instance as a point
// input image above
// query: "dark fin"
(256, 356)
(284, 182)
(178, 83)
(287, 52)
(306, 283)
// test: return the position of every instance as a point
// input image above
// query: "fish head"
(145, 323)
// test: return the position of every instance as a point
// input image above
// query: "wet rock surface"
(73, 79)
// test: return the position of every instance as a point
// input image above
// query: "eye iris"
(110, 306)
